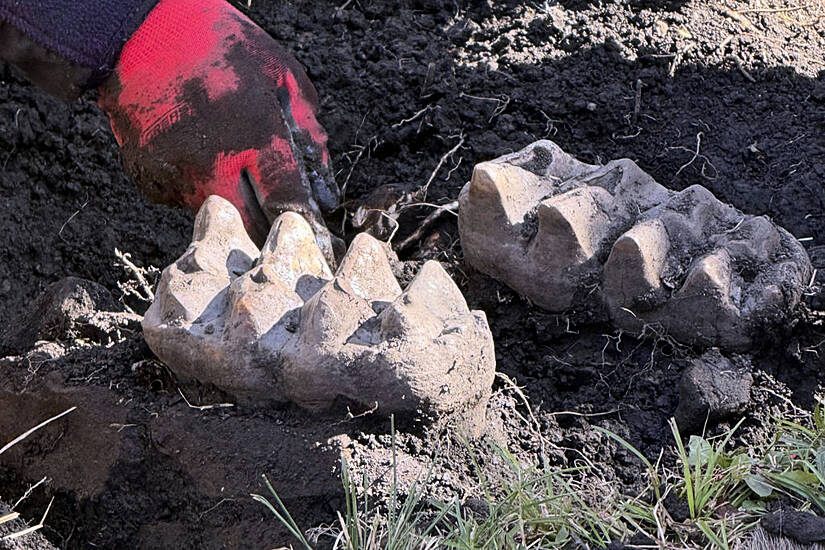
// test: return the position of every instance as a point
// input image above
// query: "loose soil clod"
(71, 307)
(568, 234)
(277, 325)
(712, 388)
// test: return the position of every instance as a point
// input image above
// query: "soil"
(729, 94)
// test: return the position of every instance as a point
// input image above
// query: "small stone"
(712, 388)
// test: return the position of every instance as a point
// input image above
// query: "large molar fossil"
(276, 324)
(561, 232)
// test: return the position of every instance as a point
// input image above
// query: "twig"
(430, 220)
(585, 415)
(350, 417)
(121, 427)
(351, 169)
(361, 148)
(738, 17)
(136, 272)
(28, 492)
(9, 517)
(637, 104)
(741, 67)
(674, 64)
(221, 501)
(696, 155)
(415, 116)
(13, 149)
(205, 407)
(502, 101)
(422, 193)
(27, 433)
(62, 227)
(774, 10)
(394, 221)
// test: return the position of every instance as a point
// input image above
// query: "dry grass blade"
(9, 517)
(27, 433)
(33, 528)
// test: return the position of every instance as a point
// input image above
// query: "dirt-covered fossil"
(562, 233)
(277, 325)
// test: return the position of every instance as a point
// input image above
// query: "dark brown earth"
(399, 82)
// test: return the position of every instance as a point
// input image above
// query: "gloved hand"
(203, 102)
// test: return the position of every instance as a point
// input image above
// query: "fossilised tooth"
(709, 276)
(368, 271)
(546, 159)
(749, 271)
(752, 240)
(229, 248)
(294, 256)
(702, 311)
(187, 296)
(434, 288)
(220, 250)
(635, 186)
(428, 302)
(632, 271)
(258, 338)
(703, 213)
(571, 227)
(258, 300)
(332, 315)
(507, 192)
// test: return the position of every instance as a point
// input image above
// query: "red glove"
(204, 102)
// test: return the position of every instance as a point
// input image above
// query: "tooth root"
(258, 301)
(632, 271)
(367, 269)
(294, 256)
(709, 277)
(571, 226)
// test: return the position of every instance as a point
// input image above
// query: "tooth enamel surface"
(368, 270)
(610, 239)
(632, 273)
(293, 254)
(277, 325)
